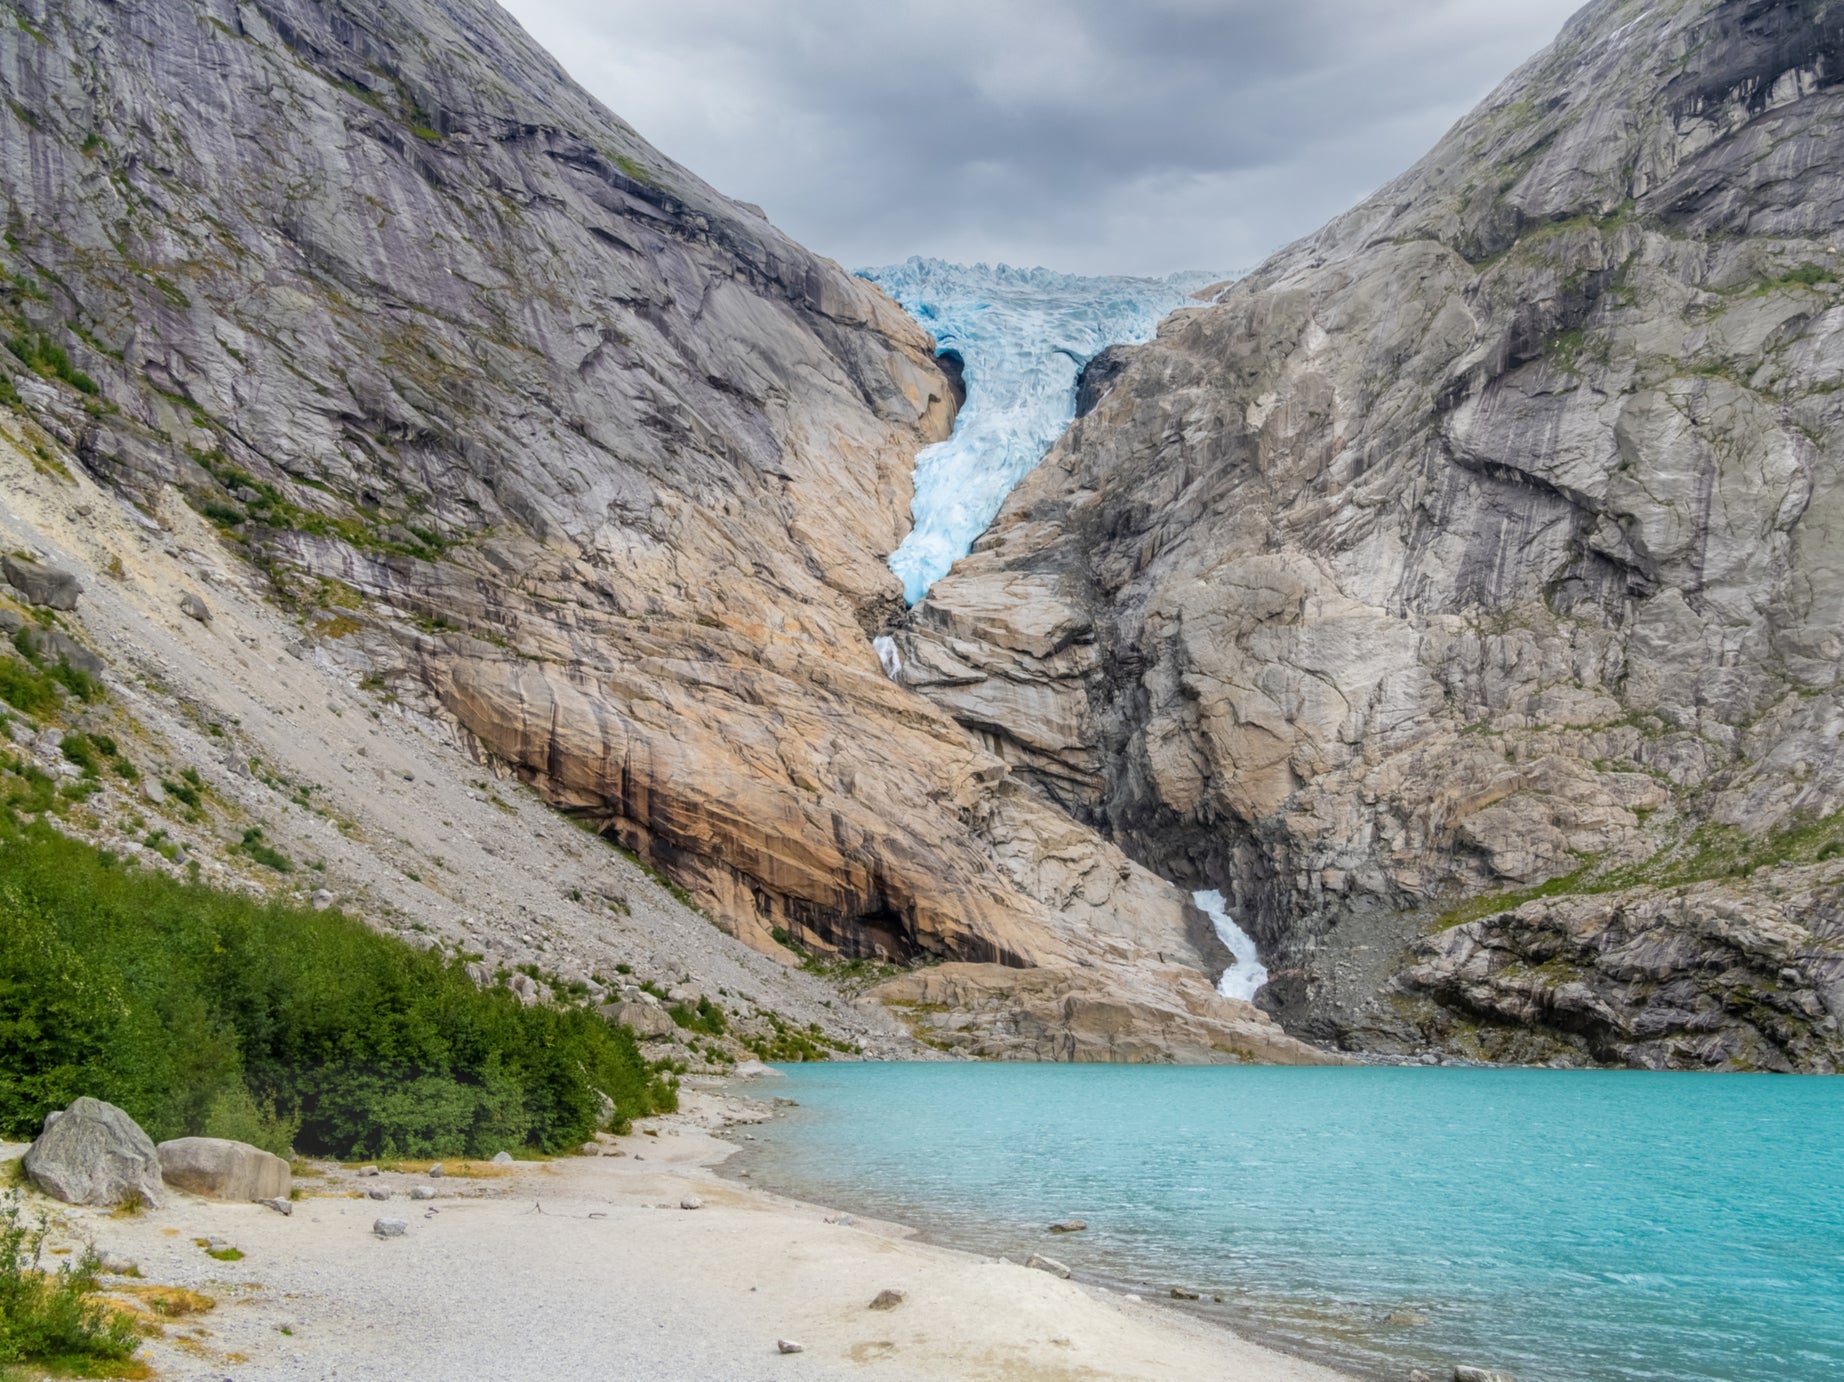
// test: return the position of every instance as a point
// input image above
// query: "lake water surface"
(1564, 1226)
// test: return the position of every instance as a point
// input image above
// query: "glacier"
(1246, 976)
(1022, 336)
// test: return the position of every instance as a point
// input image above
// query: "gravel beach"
(590, 1267)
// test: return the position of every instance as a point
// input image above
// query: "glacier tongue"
(1248, 974)
(1023, 336)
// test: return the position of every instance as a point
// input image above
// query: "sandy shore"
(587, 1267)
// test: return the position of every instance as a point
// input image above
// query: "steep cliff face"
(589, 468)
(1463, 592)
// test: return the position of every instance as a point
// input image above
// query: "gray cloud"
(1090, 135)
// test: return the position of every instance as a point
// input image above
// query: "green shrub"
(265, 853)
(75, 680)
(188, 789)
(78, 749)
(32, 789)
(707, 1017)
(199, 1010)
(25, 687)
(53, 1318)
(39, 353)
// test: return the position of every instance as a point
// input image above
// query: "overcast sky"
(1097, 136)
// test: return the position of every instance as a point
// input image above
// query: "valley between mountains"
(1459, 594)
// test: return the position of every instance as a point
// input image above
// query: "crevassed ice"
(1247, 974)
(1023, 336)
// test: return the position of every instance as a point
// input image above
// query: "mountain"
(583, 473)
(1462, 593)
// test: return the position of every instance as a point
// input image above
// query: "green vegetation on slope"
(206, 1012)
(53, 1318)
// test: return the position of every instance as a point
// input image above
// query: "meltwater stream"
(1022, 336)
(1560, 1226)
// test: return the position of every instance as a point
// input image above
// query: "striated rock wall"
(1485, 545)
(539, 436)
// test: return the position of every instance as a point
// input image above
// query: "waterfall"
(1243, 978)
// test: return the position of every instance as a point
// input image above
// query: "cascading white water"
(887, 654)
(1023, 336)
(1247, 974)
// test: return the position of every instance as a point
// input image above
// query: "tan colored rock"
(220, 1169)
(1131, 1016)
(643, 1019)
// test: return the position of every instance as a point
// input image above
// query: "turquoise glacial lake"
(1563, 1226)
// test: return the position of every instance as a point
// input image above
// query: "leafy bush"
(265, 853)
(24, 687)
(707, 1017)
(202, 1011)
(39, 353)
(53, 1317)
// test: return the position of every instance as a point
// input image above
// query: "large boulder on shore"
(41, 585)
(95, 1154)
(221, 1169)
(643, 1019)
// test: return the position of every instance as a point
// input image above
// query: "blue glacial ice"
(1247, 974)
(1023, 336)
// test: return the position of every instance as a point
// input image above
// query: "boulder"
(220, 1169)
(1047, 1264)
(502, 1158)
(1069, 1226)
(1466, 1374)
(888, 1299)
(390, 1228)
(193, 607)
(95, 1154)
(41, 585)
(643, 1019)
(53, 646)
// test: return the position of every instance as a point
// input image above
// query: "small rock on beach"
(888, 1300)
(789, 1346)
(390, 1228)
(1047, 1264)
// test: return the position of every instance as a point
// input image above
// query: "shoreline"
(589, 1267)
(948, 1233)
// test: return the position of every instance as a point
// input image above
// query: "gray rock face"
(1487, 542)
(53, 645)
(221, 1169)
(591, 466)
(39, 584)
(95, 1154)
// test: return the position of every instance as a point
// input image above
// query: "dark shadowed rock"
(38, 584)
